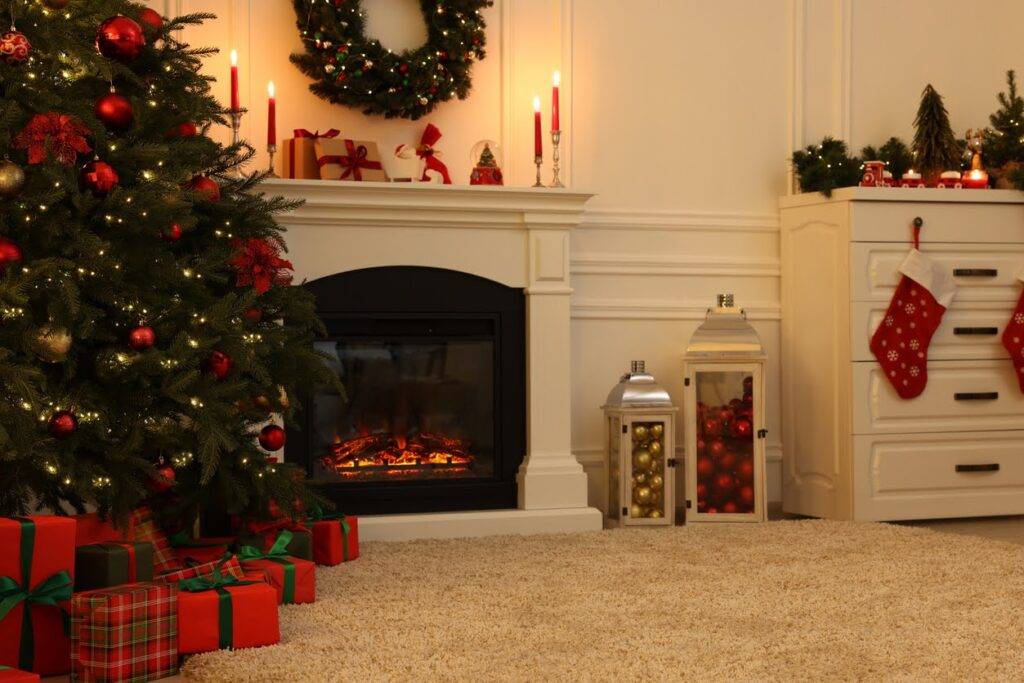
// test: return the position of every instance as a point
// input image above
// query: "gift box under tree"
(300, 542)
(190, 550)
(293, 578)
(335, 538)
(227, 565)
(36, 576)
(9, 674)
(142, 527)
(102, 565)
(126, 633)
(222, 612)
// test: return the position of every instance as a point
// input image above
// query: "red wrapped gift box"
(37, 568)
(293, 578)
(11, 675)
(335, 540)
(126, 633)
(227, 564)
(188, 549)
(91, 528)
(227, 617)
(142, 527)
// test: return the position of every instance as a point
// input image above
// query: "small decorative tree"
(895, 153)
(1003, 148)
(935, 146)
(825, 167)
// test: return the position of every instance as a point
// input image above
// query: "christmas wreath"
(350, 69)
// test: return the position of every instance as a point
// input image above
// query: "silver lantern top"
(725, 332)
(637, 389)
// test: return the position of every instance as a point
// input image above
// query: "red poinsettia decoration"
(60, 135)
(258, 263)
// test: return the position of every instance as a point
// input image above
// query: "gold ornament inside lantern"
(640, 456)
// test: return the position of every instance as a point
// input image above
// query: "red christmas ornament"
(742, 429)
(724, 483)
(14, 47)
(183, 130)
(205, 186)
(748, 385)
(98, 177)
(62, 424)
(704, 466)
(172, 233)
(727, 462)
(717, 448)
(735, 404)
(253, 315)
(120, 38)
(258, 263)
(712, 427)
(115, 112)
(53, 134)
(745, 471)
(10, 254)
(724, 416)
(748, 400)
(272, 438)
(163, 481)
(142, 338)
(220, 364)
(702, 446)
(747, 495)
(712, 510)
(151, 19)
(729, 507)
(702, 493)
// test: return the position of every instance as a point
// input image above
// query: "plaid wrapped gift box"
(227, 564)
(127, 633)
(12, 675)
(143, 528)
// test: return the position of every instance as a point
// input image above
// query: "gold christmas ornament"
(12, 178)
(636, 511)
(639, 434)
(655, 513)
(657, 482)
(655, 448)
(53, 344)
(642, 458)
(657, 430)
(643, 495)
(640, 478)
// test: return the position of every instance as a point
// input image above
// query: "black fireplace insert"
(434, 370)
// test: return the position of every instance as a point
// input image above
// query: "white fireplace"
(518, 237)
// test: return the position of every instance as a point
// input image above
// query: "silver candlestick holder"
(556, 137)
(236, 125)
(271, 150)
(538, 160)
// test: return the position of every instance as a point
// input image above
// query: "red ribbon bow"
(352, 163)
(303, 133)
(427, 152)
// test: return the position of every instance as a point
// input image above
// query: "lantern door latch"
(672, 462)
(762, 433)
(686, 381)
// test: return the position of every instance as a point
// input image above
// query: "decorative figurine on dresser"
(640, 457)
(723, 418)
(901, 392)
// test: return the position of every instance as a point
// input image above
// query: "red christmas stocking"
(901, 342)
(1013, 339)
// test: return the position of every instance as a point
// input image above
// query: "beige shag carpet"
(782, 600)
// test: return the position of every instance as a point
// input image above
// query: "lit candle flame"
(234, 58)
(270, 89)
(557, 78)
(536, 102)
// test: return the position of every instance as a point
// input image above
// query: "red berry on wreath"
(141, 338)
(14, 47)
(62, 424)
(151, 19)
(183, 130)
(272, 438)
(220, 364)
(114, 111)
(98, 177)
(10, 254)
(172, 233)
(120, 38)
(205, 186)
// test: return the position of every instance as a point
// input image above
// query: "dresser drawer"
(960, 396)
(981, 272)
(923, 476)
(943, 222)
(970, 333)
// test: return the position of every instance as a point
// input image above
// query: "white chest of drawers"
(852, 448)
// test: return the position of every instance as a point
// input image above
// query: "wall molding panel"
(700, 221)
(594, 263)
(661, 309)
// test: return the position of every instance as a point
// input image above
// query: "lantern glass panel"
(725, 442)
(614, 463)
(647, 488)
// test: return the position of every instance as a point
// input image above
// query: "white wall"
(680, 114)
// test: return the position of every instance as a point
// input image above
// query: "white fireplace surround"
(516, 236)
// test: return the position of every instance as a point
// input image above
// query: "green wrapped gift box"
(104, 565)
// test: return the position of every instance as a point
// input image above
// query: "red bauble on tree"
(172, 233)
(206, 186)
(258, 263)
(114, 111)
(141, 338)
(120, 38)
(98, 177)
(14, 47)
(183, 130)
(62, 424)
(272, 438)
(10, 254)
(151, 19)
(164, 480)
(220, 364)
(253, 315)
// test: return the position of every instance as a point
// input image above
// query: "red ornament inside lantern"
(717, 448)
(120, 38)
(712, 426)
(272, 438)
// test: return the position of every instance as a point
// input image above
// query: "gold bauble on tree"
(12, 178)
(53, 344)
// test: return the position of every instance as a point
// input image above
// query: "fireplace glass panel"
(416, 409)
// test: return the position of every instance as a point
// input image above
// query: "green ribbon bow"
(317, 515)
(218, 581)
(278, 553)
(50, 592)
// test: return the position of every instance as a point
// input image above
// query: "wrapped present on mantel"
(222, 612)
(293, 578)
(112, 563)
(300, 153)
(37, 571)
(344, 159)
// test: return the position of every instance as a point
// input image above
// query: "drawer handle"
(975, 330)
(976, 395)
(987, 467)
(975, 272)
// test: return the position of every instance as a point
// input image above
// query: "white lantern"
(640, 456)
(723, 378)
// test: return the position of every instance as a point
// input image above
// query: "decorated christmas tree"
(935, 146)
(1004, 142)
(147, 329)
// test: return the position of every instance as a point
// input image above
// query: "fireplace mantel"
(516, 236)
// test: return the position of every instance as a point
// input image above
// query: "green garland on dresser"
(350, 69)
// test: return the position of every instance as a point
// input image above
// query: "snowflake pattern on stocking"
(1013, 340)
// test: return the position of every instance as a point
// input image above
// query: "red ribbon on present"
(302, 133)
(133, 575)
(426, 151)
(355, 160)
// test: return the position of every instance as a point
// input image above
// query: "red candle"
(538, 147)
(271, 115)
(235, 106)
(557, 81)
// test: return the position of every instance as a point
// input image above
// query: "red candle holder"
(975, 179)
